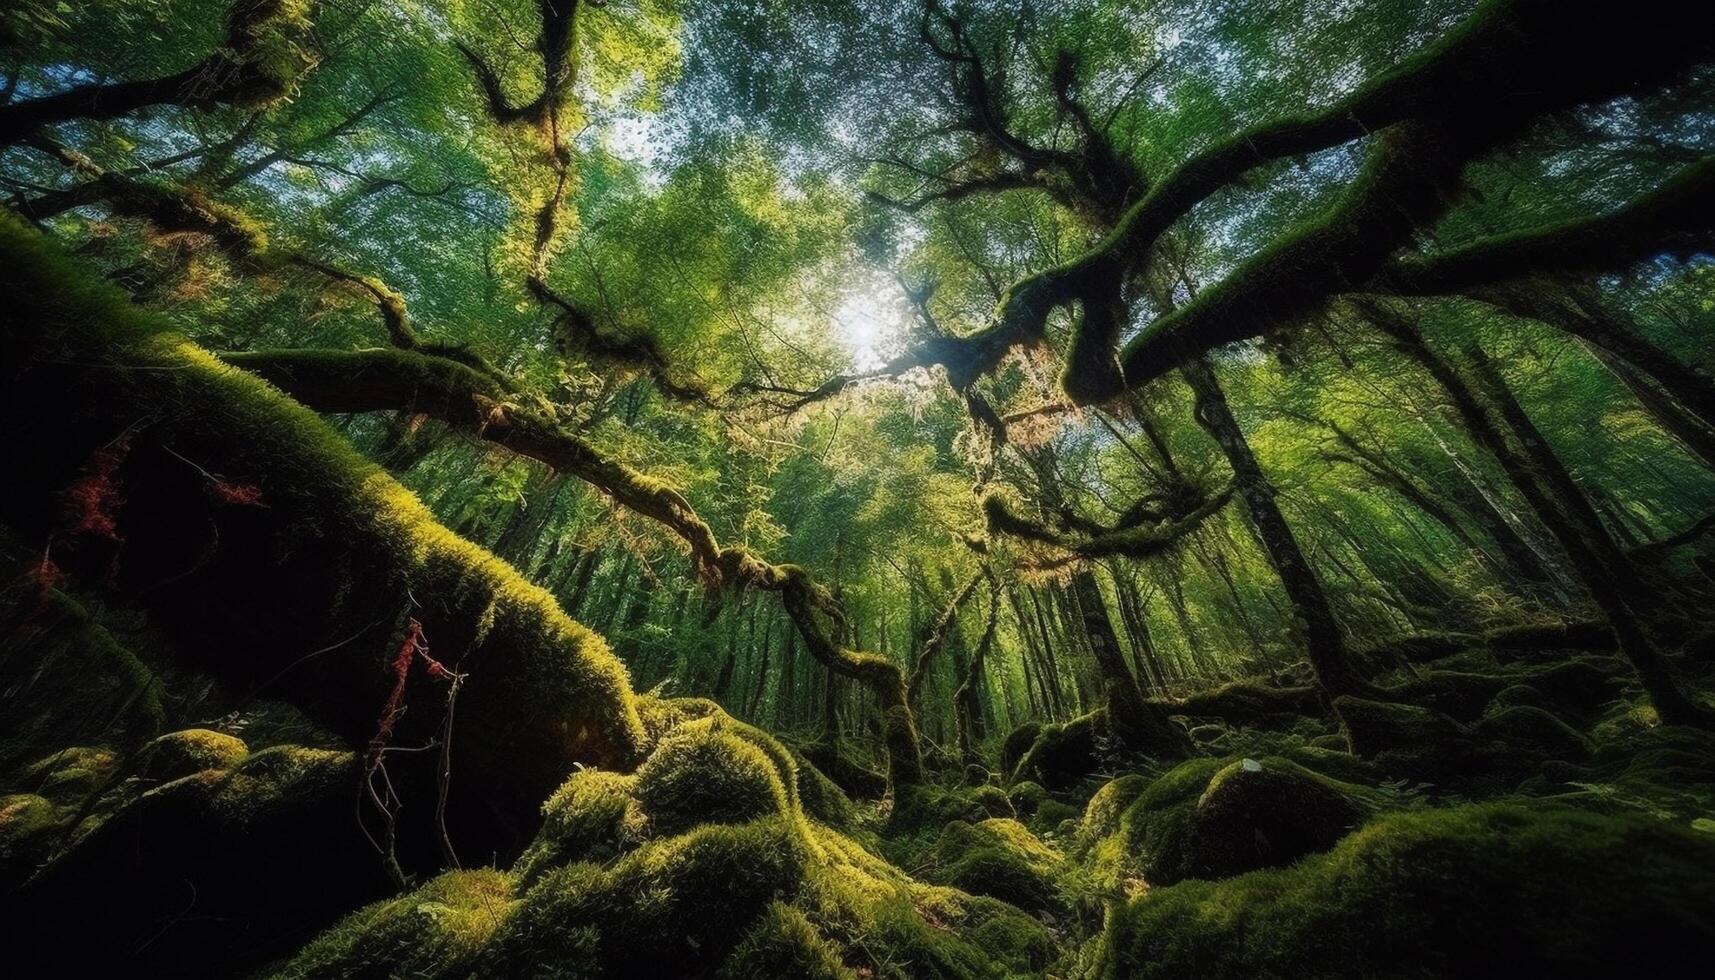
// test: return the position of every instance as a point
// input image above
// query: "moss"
(1025, 798)
(233, 843)
(1016, 744)
(783, 943)
(1404, 737)
(1053, 817)
(1491, 890)
(1063, 754)
(701, 774)
(932, 806)
(73, 774)
(583, 821)
(1212, 819)
(542, 693)
(1249, 702)
(69, 677)
(1102, 813)
(192, 750)
(29, 825)
(1002, 859)
(664, 909)
(433, 932)
(822, 798)
(858, 781)
(1524, 732)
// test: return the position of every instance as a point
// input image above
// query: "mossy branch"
(467, 399)
(269, 46)
(1678, 217)
(1136, 542)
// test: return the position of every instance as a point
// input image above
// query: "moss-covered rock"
(1002, 859)
(1026, 797)
(265, 853)
(703, 773)
(668, 908)
(192, 750)
(1016, 744)
(29, 826)
(73, 774)
(1476, 891)
(583, 821)
(1064, 754)
(433, 933)
(783, 943)
(1213, 819)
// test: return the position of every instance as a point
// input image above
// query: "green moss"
(662, 910)
(1475, 891)
(29, 824)
(543, 694)
(783, 943)
(233, 841)
(701, 774)
(433, 932)
(81, 680)
(1002, 859)
(1016, 744)
(73, 774)
(1211, 818)
(1025, 798)
(583, 821)
(192, 750)
(822, 798)
(1054, 817)
(1063, 754)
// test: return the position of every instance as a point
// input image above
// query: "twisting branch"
(936, 638)
(1447, 94)
(476, 403)
(1139, 541)
(268, 46)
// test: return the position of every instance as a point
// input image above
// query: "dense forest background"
(919, 489)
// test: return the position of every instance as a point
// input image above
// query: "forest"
(857, 490)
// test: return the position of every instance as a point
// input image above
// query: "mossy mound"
(704, 774)
(1496, 752)
(931, 805)
(1493, 890)
(1211, 818)
(1026, 797)
(1064, 754)
(73, 774)
(65, 676)
(182, 753)
(1002, 859)
(783, 943)
(230, 844)
(432, 933)
(1016, 744)
(857, 781)
(701, 863)
(1253, 703)
(29, 826)
(822, 798)
(583, 821)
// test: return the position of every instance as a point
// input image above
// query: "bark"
(1326, 647)
(1599, 578)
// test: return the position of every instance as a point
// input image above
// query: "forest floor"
(1537, 821)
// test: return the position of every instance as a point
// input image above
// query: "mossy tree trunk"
(1323, 640)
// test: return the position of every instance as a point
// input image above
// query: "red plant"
(236, 494)
(92, 501)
